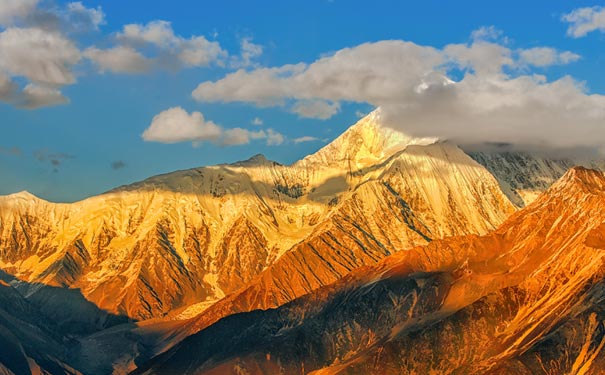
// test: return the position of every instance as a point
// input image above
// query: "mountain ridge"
(491, 310)
(177, 252)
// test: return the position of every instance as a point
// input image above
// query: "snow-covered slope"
(192, 237)
(524, 299)
(525, 175)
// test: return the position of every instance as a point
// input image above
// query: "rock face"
(523, 175)
(525, 299)
(189, 238)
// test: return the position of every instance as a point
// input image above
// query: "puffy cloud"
(7, 88)
(481, 57)
(11, 10)
(34, 96)
(80, 18)
(239, 136)
(585, 20)
(172, 51)
(305, 138)
(274, 138)
(36, 49)
(352, 74)
(159, 33)
(545, 56)
(496, 100)
(176, 125)
(38, 55)
(74, 16)
(236, 136)
(320, 109)
(118, 59)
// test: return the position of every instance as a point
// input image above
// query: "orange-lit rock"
(524, 299)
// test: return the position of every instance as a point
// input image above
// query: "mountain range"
(337, 264)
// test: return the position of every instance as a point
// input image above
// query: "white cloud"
(32, 96)
(487, 33)
(305, 138)
(274, 138)
(352, 74)
(585, 20)
(118, 59)
(257, 121)
(11, 10)
(7, 88)
(159, 33)
(73, 17)
(36, 50)
(315, 108)
(235, 136)
(546, 56)
(497, 100)
(248, 52)
(481, 57)
(172, 51)
(40, 56)
(176, 125)
(81, 18)
(35, 96)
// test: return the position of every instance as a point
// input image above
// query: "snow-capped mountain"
(524, 175)
(194, 236)
(175, 253)
(525, 299)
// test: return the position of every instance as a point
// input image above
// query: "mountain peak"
(581, 177)
(255, 160)
(24, 194)
(365, 143)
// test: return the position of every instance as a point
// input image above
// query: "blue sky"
(65, 151)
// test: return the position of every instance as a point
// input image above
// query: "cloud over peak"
(497, 99)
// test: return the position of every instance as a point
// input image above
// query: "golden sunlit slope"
(427, 192)
(527, 298)
(189, 238)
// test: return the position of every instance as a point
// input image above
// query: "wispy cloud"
(305, 138)
(249, 51)
(118, 164)
(257, 121)
(11, 151)
(316, 108)
(585, 20)
(54, 159)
